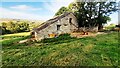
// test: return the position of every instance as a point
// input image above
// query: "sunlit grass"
(101, 50)
(18, 34)
(11, 39)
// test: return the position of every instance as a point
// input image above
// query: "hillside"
(32, 24)
(20, 20)
(101, 50)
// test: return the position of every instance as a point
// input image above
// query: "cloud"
(34, 0)
(57, 4)
(6, 13)
(24, 7)
(24, 11)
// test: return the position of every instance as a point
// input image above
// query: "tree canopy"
(91, 14)
(14, 27)
(61, 10)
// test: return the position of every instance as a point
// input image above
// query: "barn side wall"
(88, 29)
(65, 27)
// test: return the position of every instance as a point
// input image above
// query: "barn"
(65, 23)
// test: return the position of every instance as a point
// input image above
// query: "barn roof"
(51, 21)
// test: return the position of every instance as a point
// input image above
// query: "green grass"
(11, 39)
(16, 35)
(101, 50)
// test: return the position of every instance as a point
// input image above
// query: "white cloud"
(22, 11)
(34, 0)
(57, 4)
(6, 13)
(24, 7)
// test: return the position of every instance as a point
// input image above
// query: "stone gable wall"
(65, 27)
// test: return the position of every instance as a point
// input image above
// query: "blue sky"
(31, 10)
(40, 10)
(35, 9)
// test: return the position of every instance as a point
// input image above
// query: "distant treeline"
(16, 27)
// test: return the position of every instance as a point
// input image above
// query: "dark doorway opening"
(58, 27)
(33, 34)
(70, 20)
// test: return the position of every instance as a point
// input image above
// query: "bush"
(59, 38)
(13, 27)
(110, 27)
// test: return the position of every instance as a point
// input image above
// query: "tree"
(11, 26)
(104, 10)
(4, 26)
(3, 30)
(72, 7)
(93, 13)
(61, 11)
(14, 27)
(23, 26)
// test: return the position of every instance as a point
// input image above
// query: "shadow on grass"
(108, 31)
(12, 42)
(64, 38)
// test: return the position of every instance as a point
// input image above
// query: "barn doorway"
(33, 34)
(58, 27)
(70, 20)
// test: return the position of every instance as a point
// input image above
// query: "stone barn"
(65, 23)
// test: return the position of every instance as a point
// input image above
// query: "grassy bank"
(101, 50)
(11, 39)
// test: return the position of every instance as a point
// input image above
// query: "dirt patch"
(27, 41)
(81, 35)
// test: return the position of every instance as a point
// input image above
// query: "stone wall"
(88, 29)
(65, 27)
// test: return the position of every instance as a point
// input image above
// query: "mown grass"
(11, 39)
(101, 50)
(16, 35)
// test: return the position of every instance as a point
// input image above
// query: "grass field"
(101, 50)
(10, 39)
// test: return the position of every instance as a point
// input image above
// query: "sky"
(36, 9)
(32, 10)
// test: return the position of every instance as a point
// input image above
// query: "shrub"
(59, 38)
